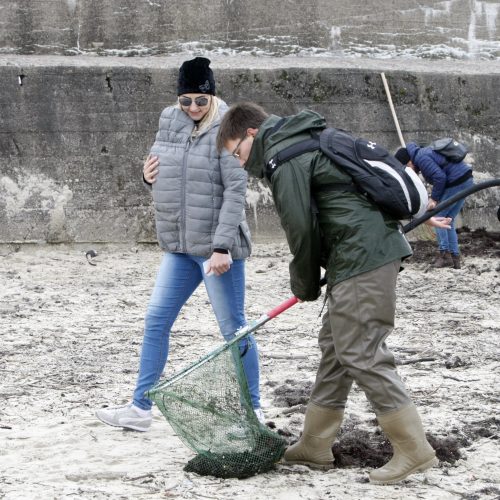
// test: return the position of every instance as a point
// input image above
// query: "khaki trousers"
(360, 316)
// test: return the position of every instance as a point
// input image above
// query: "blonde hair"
(211, 115)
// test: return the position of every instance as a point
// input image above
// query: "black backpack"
(394, 188)
(451, 149)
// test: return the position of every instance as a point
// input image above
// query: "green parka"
(346, 234)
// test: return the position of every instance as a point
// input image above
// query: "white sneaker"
(260, 415)
(128, 417)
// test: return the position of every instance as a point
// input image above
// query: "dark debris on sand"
(478, 243)
(360, 448)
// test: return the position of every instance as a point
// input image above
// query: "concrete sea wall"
(83, 82)
(74, 131)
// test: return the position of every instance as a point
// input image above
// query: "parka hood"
(293, 125)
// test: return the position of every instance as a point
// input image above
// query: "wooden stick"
(293, 409)
(284, 356)
(411, 361)
(393, 111)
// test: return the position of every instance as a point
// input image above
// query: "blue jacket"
(436, 169)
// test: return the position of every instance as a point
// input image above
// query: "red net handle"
(288, 303)
(282, 307)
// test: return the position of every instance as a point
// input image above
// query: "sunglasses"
(199, 101)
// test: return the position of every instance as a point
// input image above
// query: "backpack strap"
(349, 187)
(298, 149)
(290, 152)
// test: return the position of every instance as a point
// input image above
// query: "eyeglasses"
(235, 153)
(199, 101)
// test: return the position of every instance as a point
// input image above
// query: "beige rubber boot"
(412, 451)
(314, 448)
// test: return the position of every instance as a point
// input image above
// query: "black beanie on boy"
(195, 77)
(402, 155)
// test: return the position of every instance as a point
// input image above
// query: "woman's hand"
(219, 263)
(441, 222)
(150, 169)
(431, 204)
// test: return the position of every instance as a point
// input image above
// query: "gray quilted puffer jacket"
(199, 195)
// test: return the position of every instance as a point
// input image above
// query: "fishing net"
(209, 407)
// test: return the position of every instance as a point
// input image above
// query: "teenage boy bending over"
(361, 249)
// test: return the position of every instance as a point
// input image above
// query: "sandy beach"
(70, 340)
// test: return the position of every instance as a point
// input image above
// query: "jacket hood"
(302, 122)
(413, 148)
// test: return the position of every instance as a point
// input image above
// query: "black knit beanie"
(195, 77)
(402, 156)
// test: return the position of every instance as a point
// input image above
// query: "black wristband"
(221, 250)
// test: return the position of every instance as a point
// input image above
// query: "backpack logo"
(371, 145)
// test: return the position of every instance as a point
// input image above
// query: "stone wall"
(74, 131)
(75, 126)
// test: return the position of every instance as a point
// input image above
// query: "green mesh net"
(209, 407)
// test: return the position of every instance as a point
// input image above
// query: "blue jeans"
(447, 238)
(179, 275)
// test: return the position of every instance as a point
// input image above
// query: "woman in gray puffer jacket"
(199, 199)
